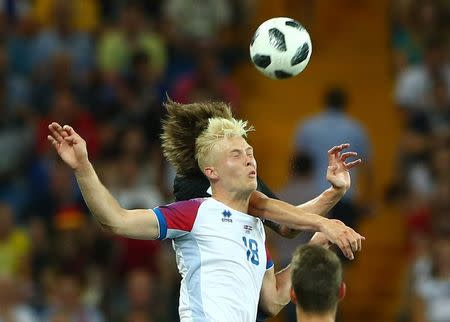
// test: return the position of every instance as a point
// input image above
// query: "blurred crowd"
(105, 67)
(420, 35)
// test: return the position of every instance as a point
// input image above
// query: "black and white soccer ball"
(280, 48)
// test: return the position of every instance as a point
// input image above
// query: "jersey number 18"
(252, 250)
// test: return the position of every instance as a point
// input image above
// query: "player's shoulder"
(186, 205)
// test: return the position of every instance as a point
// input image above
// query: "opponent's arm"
(138, 223)
(281, 212)
(320, 205)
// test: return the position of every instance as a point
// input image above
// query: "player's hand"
(320, 239)
(69, 145)
(337, 172)
(348, 240)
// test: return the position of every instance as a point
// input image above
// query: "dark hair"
(181, 127)
(316, 278)
(336, 98)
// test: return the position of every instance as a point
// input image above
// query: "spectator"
(326, 130)
(115, 48)
(414, 84)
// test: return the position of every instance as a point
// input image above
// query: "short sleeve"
(269, 262)
(177, 219)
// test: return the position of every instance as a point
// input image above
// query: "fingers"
(355, 241)
(345, 247)
(70, 139)
(52, 140)
(62, 133)
(346, 155)
(352, 164)
(334, 151)
(338, 148)
(69, 129)
(351, 242)
(56, 131)
(360, 239)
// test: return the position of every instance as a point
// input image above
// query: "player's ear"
(342, 291)
(293, 296)
(211, 173)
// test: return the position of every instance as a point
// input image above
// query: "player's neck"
(310, 317)
(235, 201)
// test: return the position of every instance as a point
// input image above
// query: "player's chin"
(253, 184)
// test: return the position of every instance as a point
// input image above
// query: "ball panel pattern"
(294, 24)
(280, 74)
(276, 39)
(300, 55)
(261, 60)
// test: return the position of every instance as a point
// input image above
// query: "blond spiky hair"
(182, 126)
(218, 129)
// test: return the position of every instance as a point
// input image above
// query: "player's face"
(236, 165)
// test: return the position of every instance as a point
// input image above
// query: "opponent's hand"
(70, 146)
(348, 240)
(337, 172)
(320, 239)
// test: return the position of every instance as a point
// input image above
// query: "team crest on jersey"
(248, 229)
(226, 216)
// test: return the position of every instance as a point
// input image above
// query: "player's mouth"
(252, 174)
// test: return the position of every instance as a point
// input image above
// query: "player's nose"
(250, 162)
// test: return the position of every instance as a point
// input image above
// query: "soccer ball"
(280, 48)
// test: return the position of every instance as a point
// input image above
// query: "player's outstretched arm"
(283, 213)
(71, 147)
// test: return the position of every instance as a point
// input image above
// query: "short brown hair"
(181, 128)
(316, 278)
